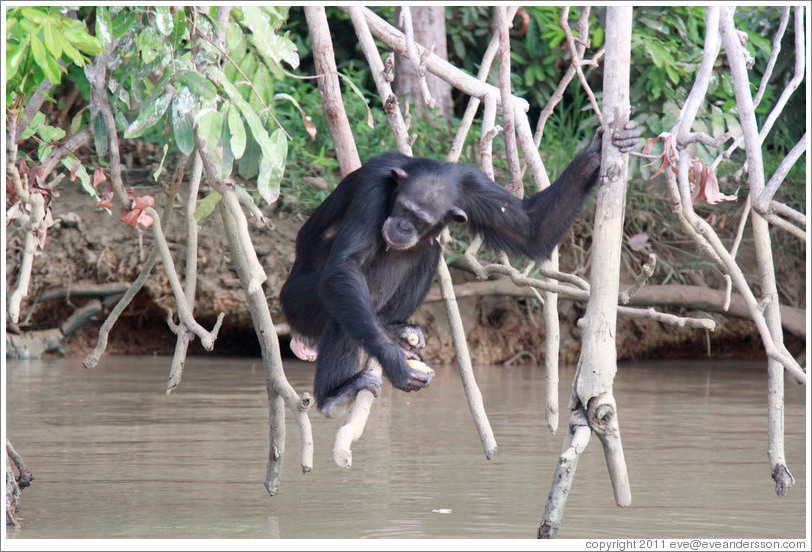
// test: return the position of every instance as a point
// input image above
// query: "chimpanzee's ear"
(458, 215)
(398, 174)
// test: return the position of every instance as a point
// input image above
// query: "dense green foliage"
(166, 75)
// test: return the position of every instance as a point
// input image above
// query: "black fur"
(366, 257)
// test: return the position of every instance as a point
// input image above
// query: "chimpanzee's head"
(425, 201)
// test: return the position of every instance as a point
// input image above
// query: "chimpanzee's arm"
(534, 226)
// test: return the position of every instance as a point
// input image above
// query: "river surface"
(114, 457)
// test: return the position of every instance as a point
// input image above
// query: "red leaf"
(98, 177)
(142, 203)
(131, 217)
(650, 144)
(145, 220)
(73, 168)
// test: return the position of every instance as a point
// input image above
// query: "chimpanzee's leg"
(336, 381)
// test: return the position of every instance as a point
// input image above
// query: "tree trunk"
(429, 31)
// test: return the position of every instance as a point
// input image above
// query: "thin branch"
(473, 102)
(330, 90)
(388, 98)
(645, 274)
(99, 103)
(575, 442)
(768, 71)
(577, 60)
(354, 423)
(514, 185)
(190, 280)
(558, 94)
(280, 392)
(413, 55)
(762, 203)
(184, 311)
(31, 222)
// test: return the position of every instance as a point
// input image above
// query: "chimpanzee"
(366, 257)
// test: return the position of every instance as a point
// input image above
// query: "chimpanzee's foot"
(409, 337)
(302, 348)
(364, 379)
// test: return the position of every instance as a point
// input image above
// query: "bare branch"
(280, 392)
(514, 186)
(31, 222)
(558, 94)
(473, 102)
(414, 57)
(577, 60)
(355, 422)
(184, 311)
(190, 281)
(575, 443)
(96, 73)
(330, 90)
(768, 71)
(646, 273)
(390, 101)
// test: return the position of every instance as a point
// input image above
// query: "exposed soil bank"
(86, 247)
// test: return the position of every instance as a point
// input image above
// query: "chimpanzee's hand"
(403, 376)
(626, 139)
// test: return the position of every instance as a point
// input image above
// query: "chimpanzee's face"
(424, 205)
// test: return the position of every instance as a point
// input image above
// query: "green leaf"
(254, 123)
(100, 139)
(160, 168)
(269, 44)
(44, 150)
(209, 123)
(233, 36)
(760, 42)
(198, 84)
(149, 43)
(227, 158)
(76, 121)
(33, 127)
(163, 20)
(14, 59)
(672, 74)
(104, 25)
(81, 40)
(123, 22)
(179, 18)
(182, 125)
(70, 51)
(249, 163)
(54, 71)
(53, 45)
(38, 50)
(50, 133)
(81, 172)
(207, 205)
(272, 167)
(238, 136)
(370, 119)
(151, 114)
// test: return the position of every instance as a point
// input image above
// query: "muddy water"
(114, 457)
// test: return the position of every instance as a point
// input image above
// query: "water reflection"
(114, 457)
